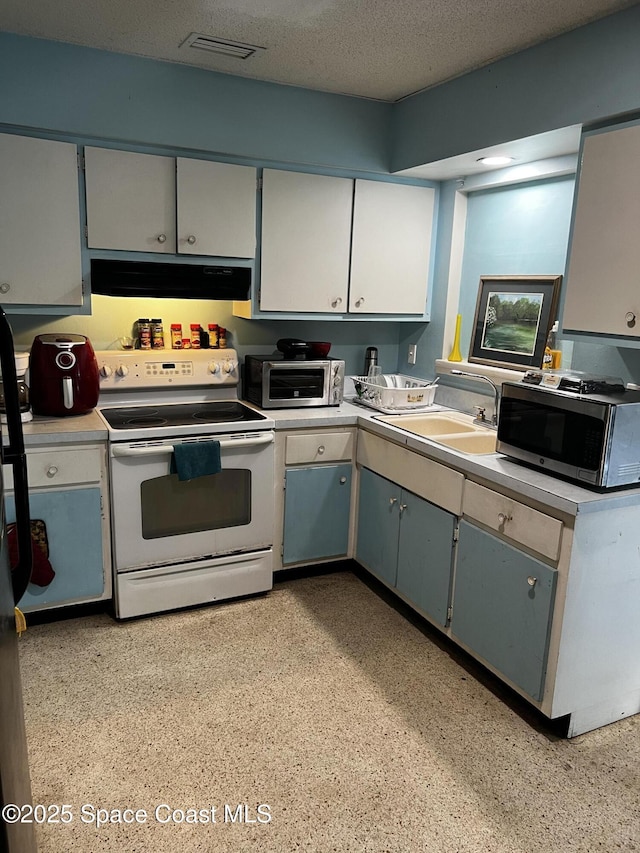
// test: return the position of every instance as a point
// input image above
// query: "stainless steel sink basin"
(482, 441)
(430, 425)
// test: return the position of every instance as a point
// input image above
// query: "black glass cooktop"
(180, 414)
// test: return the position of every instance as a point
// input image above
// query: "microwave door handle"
(126, 450)
(14, 455)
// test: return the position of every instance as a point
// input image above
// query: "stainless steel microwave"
(593, 439)
(276, 382)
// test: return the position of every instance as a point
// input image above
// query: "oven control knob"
(214, 367)
(122, 370)
(229, 366)
(105, 371)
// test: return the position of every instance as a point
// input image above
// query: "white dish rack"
(398, 394)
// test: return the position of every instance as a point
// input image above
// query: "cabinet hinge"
(456, 533)
(449, 614)
(284, 485)
(282, 550)
(80, 162)
(86, 232)
(259, 183)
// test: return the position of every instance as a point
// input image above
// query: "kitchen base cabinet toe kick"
(548, 603)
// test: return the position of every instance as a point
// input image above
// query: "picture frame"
(514, 314)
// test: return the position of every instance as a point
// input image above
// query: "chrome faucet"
(481, 419)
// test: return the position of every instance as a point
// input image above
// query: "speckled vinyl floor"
(319, 703)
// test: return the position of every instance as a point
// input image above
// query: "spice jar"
(213, 336)
(176, 336)
(222, 337)
(195, 336)
(144, 333)
(157, 334)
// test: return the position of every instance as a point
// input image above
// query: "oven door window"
(171, 507)
(296, 383)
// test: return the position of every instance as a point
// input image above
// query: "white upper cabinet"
(39, 222)
(306, 237)
(131, 201)
(603, 282)
(332, 245)
(391, 250)
(216, 208)
(150, 203)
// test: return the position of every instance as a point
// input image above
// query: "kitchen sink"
(430, 425)
(482, 441)
(456, 431)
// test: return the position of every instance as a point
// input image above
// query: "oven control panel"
(125, 370)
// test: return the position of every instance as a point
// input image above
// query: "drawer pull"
(531, 580)
(321, 449)
(503, 518)
(52, 470)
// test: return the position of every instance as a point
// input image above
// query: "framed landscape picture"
(513, 317)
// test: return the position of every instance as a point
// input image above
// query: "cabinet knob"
(337, 301)
(5, 287)
(321, 449)
(503, 518)
(191, 239)
(52, 470)
(359, 301)
(402, 507)
(162, 238)
(630, 317)
(393, 501)
(343, 480)
(532, 581)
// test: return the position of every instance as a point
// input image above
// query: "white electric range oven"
(182, 542)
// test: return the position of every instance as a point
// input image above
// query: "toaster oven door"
(296, 384)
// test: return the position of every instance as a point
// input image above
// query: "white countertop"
(493, 468)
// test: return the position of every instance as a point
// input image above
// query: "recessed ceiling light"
(234, 49)
(495, 161)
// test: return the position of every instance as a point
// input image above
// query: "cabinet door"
(131, 201)
(378, 525)
(425, 555)
(392, 225)
(602, 283)
(39, 222)
(73, 520)
(316, 512)
(216, 208)
(306, 239)
(502, 607)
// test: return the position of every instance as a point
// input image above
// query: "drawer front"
(319, 447)
(59, 468)
(516, 521)
(428, 479)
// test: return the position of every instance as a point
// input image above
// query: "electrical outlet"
(411, 355)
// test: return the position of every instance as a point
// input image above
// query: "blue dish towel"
(197, 459)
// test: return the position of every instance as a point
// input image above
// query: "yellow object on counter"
(455, 354)
(21, 622)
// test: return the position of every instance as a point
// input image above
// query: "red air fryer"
(63, 375)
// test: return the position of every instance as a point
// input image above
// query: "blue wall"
(585, 76)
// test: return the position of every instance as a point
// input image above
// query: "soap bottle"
(552, 357)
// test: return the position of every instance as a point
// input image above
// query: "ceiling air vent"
(223, 47)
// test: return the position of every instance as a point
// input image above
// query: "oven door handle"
(127, 450)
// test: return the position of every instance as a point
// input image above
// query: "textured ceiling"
(382, 49)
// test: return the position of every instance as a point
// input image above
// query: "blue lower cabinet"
(407, 542)
(316, 513)
(378, 525)
(425, 555)
(73, 521)
(502, 607)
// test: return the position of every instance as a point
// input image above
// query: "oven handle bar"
(126, 450)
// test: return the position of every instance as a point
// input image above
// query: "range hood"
(171, 281)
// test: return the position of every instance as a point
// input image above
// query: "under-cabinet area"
(69, 508)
